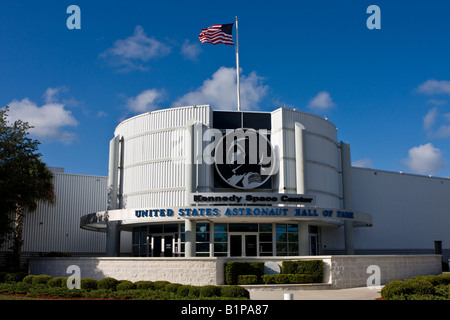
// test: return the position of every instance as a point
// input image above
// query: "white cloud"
(434, 87)
(322, 101)
(430, 118)
(48, 120)
(190, 50)
(363, 163)
(220, 91)
(429, 124)
(145, 101)
(129, 53)
(443, 131)
(425, 159)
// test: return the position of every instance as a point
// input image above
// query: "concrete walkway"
(362, 293)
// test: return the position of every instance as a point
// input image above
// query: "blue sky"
(387, 90)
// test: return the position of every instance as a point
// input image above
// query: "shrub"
(58, 282)
(172, 287)
(402, 289)
(420, 286)
(210, 291)
(236, 268)
(88, 284)
(392, 289)
(13, 276)
(125, 285)
(160, 285)
(183, 291)
(444, 278)
(442, 290)
(145, 285)
(194, 292)
(41, 279)
(28, 279)
(107, 283)
(247, 279)
(234, 292)
(13, 288)
(287, 278)
(312, 267)
(275, 278)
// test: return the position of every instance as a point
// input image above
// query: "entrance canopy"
(129, 218)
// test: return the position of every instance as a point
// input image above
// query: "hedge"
(245, 273)
(236, 268)
(248, 279)
(125, 285)
(287, 278)
(418, 288)
(43, 285)
(310, 267)
(107, 283)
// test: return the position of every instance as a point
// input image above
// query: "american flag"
(218, 33)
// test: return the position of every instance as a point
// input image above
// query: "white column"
(112, 234)
(189, 225)
(347, 190)
(303, 238)
(299, 158)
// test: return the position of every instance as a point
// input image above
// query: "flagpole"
(237, 67)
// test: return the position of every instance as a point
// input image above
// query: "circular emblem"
(244, 158)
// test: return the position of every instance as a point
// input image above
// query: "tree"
(24, 180)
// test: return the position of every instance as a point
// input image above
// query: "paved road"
(362, 293)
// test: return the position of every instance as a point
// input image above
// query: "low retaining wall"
(339, 271)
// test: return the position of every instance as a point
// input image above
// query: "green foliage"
(41, 279)
(24, 180)
(418, 288)
(58, 282)
(160, 285)
(88, 284)
(194, 292)
(236, 268)
(234, 291)
(210, 291)
(107, 283)
(172, 287)
(311, 267)
(110, 288)
(145, 285)
(247, 279)
(28, 279)
(287, 278)
(183, 291)
(125, 285)
(12, 276)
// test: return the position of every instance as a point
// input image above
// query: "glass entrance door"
(162, 245)
(314, 244)
(156, 246)
(168, 246)
(243, 244)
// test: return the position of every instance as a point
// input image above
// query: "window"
(202, 237)
(265, 239)
(220, 239)
(140, 242)
(287, 239)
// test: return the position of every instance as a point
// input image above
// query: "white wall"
(408, 211)
(57, 227)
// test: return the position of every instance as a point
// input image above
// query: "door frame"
(163, 242)
(243, 243)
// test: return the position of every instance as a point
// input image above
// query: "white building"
(192, 181)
